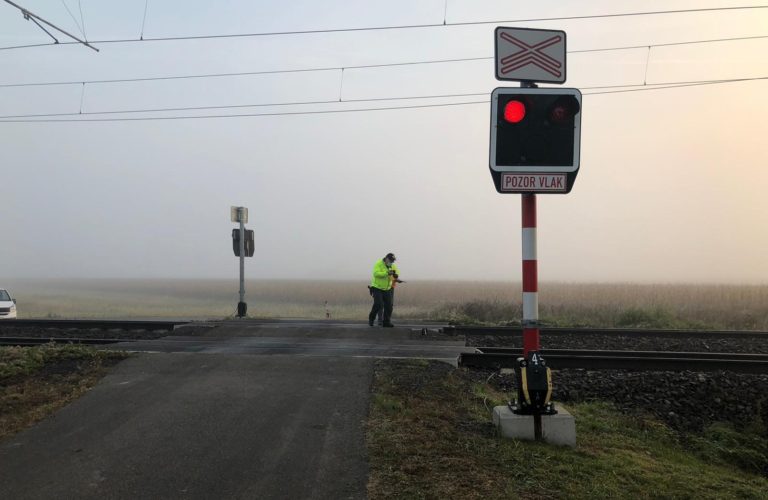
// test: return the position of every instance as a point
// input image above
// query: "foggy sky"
(671, 187)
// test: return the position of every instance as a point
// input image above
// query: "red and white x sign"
(530, 55)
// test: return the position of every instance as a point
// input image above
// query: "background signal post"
(243, 246)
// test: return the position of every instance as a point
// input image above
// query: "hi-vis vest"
(381, 278)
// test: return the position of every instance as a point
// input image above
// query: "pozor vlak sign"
(535, 139)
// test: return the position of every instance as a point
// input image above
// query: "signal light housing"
(248, 244)
(535, 131)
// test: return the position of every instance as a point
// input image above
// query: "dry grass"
(37, 381)
(715, 306)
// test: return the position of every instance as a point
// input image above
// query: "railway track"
(556, 332)
(91, 324)
(497, 357)
(33, 341)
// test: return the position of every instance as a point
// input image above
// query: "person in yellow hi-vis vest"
(385, 275)
(394, 279)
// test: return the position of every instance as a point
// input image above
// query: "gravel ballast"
(633, 342)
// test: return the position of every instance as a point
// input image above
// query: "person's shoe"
(379, 323)
(388, 325)
(370, 323)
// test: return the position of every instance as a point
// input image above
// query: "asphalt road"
(202, 426)
(251, 410)
(305, 339)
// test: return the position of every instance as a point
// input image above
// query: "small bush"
(478, 312)
(645, 318)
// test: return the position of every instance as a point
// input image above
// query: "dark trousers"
(382, 301)
(380, 315)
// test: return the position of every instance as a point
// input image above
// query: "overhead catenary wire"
(77, 23)
(341, 69)
(35, 18)
(359, 66)
(22, 119)
(30, 18)
(82, 19)
(626, 88)
(680, 85)
(401, 26)
(647, 61)
(82, 98)
(282, 113)
(144, 20)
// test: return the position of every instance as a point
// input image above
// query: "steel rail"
(638, 354)
(496, 358)
(638, 332)
(33, 341)
(96, 324)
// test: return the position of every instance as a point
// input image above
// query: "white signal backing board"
(237, 213)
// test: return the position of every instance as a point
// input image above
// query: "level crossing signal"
(249, 245)
(535, 139)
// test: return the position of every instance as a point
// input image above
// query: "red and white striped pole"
(530, 277)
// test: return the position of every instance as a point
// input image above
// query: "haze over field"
(671, 188)
(565, 304)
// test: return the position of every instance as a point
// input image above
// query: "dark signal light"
(564, 109)
(514, 111)
(560, 114)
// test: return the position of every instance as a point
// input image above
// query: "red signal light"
(514, 111)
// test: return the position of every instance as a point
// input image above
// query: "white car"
(7, 305)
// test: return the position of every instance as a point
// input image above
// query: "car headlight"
(13, 307)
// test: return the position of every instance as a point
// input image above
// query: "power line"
(194, 108)
(82, 19)
(370, 99)
(144, 20)
(671, 44)
(26, 118)
(73, 17)
(361, 66)
(259, 105)
(173, 77)
(402, 26)
(679, 85)
(282, 113)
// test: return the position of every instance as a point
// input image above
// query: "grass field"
(567, 304)
(429, 435)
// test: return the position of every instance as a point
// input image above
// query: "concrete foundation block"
(558, 429)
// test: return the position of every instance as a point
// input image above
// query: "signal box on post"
(249, 242)
(535, 139)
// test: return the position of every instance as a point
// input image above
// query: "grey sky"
(672, 184)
